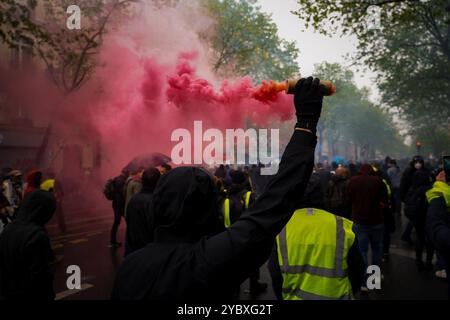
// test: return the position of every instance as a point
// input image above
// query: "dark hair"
(150, 178)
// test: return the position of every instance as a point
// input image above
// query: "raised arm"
(247, 243)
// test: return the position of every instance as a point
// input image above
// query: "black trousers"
(118, 213)
(422, 242)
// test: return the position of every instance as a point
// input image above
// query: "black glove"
(308, 99)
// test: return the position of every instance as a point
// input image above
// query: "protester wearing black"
(417, 163)
(139, 218)
(118, 204)
(416, 207)
(337, 199)
(25, 251)
(189, 260)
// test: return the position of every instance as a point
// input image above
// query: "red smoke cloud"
(153, 77)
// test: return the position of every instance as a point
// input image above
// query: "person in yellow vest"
(438, 219)
(316, 256)
(54, 186)
(239, 198)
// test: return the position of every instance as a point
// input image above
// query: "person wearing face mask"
(406, 182)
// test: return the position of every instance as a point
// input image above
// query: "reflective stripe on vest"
(303, 295)
(322, 275)
(388, 187)
(440, 189)
(226, 213)
(247, 199)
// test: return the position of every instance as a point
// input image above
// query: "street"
(86, 245)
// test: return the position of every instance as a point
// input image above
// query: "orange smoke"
(268, 91)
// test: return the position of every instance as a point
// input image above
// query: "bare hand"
(441, 177)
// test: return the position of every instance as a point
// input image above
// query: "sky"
(314, 47)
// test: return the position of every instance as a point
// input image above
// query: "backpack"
(109, 189)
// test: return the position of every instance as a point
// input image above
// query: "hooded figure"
(140, 219)
(185, 205)
(192, 256)
(25, 251)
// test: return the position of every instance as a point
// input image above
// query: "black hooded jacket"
(25, 251)
(183, 263)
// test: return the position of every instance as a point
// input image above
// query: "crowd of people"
(197, 234)
(14, 188)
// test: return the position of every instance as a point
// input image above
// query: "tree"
(69, 55)
(410, 49)
(245, 42)
(16, 23)
(350, 119)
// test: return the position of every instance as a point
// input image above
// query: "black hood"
(37, 207)
(185, 205)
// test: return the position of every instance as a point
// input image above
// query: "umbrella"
(147, 160)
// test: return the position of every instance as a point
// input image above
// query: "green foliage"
(16, 25)
(245, 42)
(70, 55)
(410, 51)
(350, 118)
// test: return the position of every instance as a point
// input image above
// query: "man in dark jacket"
(416, 207)
(189, 259)
(25, 251)
(368, 196)
(139, 218)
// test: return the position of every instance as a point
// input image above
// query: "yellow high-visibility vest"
(48, 185)
(226, 208)
(226, 213)
(312, 254)
(440, 189)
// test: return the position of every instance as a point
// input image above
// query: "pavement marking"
(77, 241)
(65, 294)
